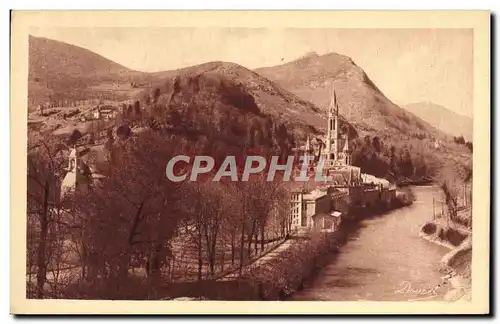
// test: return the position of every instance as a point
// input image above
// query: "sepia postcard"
(250, 162)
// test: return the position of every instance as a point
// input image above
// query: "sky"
(408, 65)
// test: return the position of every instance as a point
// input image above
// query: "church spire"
(346, 144)
(332, 135)
(347, 150)
(308, 144)
(334, 108)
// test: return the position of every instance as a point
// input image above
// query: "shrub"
(404, 196)
(285, 273)
(429, 228)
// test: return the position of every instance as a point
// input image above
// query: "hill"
(375, 117)
(236, 108)
(60, 71)
(46, 55)
(360, 101)
(267, 98)
(443, 119)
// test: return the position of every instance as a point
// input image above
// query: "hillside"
(46, 54)
(443, 119)
(59, 71)
(266, 97)
(360, 101)
(273, 108)
(366, 108)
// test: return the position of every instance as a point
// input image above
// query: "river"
(384, 259)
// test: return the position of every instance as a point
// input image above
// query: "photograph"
(205, 160)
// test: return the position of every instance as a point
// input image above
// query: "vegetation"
(460, 140)
(454, 180)
(131, 232)
(396, 163)
(136, 218)
(281, 276)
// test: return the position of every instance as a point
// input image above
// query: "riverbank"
(456, 264)
(383, 259)
(282, 273)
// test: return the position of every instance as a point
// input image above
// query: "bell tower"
(69, 182)
(332, 136)
(346, 151)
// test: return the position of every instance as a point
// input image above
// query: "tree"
(376, 144)
(469, 145)
(156, 95)
(74, 137)
(135, 211)
(459, 140)
(137, 108)
(45, 168)
(123, 132)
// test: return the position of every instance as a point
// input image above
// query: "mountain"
(235, 108)
(443, 119)
(360, 101)
(59, 71)
(218, 115)
(376, 118)
(70, 60)
(266, 97)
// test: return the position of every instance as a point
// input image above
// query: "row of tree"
(135, 216)
(391, 162)
(461, 141)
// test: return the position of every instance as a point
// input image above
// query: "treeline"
(408, 161)
(203, 107)
(456, 182)
(461, 141)
(136, 218)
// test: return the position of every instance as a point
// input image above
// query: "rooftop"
(315, 194)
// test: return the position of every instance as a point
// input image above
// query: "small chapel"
(79, 174)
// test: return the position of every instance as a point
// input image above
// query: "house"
(83, 169)
(304, 205)
(328, 222)
(105, 111)
(296, 208)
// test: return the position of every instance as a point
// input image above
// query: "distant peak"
(310, 55)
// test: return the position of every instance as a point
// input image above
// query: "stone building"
(334, 151)
(81, 172)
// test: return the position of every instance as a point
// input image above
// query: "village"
(299, 180)
(314, 207)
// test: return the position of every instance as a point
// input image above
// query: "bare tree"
(135, 211)
(45, 167)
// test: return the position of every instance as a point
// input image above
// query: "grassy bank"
(285, 274)
(456, 264)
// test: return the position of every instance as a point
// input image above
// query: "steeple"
(334, 108)
(347, 150)
(308, 144)
(332, 135)
(69, 182)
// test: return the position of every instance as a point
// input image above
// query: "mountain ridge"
(270, 98)
(58, 71)
(295, 94)
(443, 118)
(311, 78)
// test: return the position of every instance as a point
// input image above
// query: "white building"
(80, 174)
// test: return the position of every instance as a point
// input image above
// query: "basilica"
(334, 150)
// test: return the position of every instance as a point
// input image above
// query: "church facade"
(334, 150)
(80, 175)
